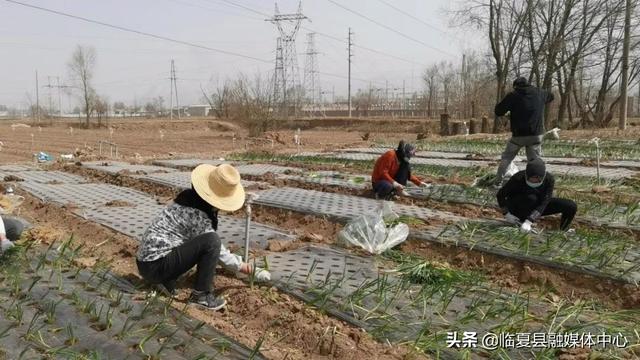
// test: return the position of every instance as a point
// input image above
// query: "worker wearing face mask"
(392, 171)
(528, 195)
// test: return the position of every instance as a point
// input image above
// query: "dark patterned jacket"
(176, 225)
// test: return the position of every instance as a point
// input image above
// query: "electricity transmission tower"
(313, 91)
(288, 26)
(59, 87)
(279, 77)
(174, 87)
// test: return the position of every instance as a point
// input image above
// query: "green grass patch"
(417, 270)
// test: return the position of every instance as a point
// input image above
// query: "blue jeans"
(384, 189)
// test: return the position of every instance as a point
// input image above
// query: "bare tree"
(101, 107)
(447, 78)
(430, 78)
(504, 20)
(625, 66)
(81, 67)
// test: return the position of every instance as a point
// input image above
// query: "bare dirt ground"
(501, 272)
(290, 328)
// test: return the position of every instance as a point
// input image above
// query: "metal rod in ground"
(246, 230)
(598, 161)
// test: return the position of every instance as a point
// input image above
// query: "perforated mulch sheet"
(182, 180)
(87, 195)
(261, 169)
(188, 163)
(45, 177)
(114, 167)
(569, 170)
(339, 206)
(133, 222)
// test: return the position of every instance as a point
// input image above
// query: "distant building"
(199, 110)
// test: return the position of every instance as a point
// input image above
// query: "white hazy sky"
(131, 66)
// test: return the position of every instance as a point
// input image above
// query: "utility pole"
(37, 99)
(171, 91)
(59, 96)
(349, 58)
(174, 87)
(625, 67)
(49, 93)
(402, 105)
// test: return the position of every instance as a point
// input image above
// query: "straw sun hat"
(219, 186)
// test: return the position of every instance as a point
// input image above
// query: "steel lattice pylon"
(286, 79)
(312, 88)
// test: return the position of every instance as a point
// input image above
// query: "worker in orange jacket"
(392, 171)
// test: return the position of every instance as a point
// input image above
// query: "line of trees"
(571, 47)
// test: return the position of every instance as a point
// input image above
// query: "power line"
(209, 9)
(241, 7)
(318, 32)
(390, 28)
(417, 19)
(117, 27)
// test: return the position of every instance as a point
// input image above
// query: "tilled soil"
(518, 274)
(290, 328)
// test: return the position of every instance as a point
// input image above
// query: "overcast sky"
(134, 67)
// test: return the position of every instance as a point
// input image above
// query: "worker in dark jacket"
(392, 171)
(526, 105)
(528, 195)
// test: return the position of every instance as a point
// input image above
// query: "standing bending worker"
(392, 171)
(526, 104)
(528, 195)
(184, 235)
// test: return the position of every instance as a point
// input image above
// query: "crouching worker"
(528, 195)
(184, 235)
(392, 171)
(10, 231)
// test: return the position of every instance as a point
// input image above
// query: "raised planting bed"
(422, 304)
(54, 309)
(594, 253)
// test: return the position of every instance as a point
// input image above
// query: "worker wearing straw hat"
(184, 235)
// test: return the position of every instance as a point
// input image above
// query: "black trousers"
(13, 228)
(202, 251)
(522, 206)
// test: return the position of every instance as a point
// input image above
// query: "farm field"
(460, 271)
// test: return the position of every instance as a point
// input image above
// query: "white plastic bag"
(553, 134)
(370, 232)
(511, 170)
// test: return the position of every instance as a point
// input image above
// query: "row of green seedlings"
(357, 165)
(443, 284)
(627, 188)
(102, 317)
(14, 269)
(591, 207)
(377, 302)
(614, 150)
(432, 170)
(608, 251)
